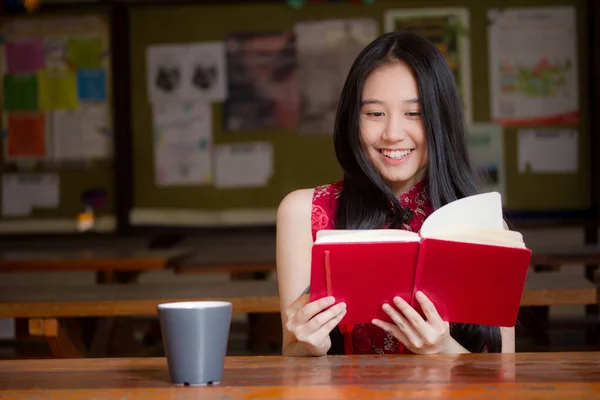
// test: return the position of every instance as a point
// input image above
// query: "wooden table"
(119, 260)
(247, 296)
(132, 260)
(50, 309)
(110, 300)
(112, 259)
(499, 376)
(123, 259)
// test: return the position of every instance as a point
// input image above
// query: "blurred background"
(146, 144)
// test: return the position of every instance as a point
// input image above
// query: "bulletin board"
(56, 147)
(303, 160)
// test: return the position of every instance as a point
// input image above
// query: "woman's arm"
(508, 334)
(293, 252)
(508, 343)
(508, 339)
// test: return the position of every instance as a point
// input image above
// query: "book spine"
(418, 269)
(327, 273)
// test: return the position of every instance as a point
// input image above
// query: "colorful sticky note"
(57, 90)
(91, 84)
(20, 92)
(84, 52)
(26, 135)
(25, 56)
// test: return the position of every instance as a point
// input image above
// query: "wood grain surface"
(246, 296)
(471, 376)
(133, 300)
(214, 252)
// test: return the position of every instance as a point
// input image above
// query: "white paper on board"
(164, 72)
(486, 149)
(243, 164)
(548, 150)
(182, 143)
(80, 134)
(533, 65)
(186, 72)
(21, 193)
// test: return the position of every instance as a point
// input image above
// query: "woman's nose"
(395, 131)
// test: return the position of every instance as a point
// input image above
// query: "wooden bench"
(51, 310)
(558, 256)
(554, 258)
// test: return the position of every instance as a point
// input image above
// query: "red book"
(463, 259)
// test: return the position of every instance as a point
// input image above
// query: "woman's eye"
(414, 114)
(375, 114)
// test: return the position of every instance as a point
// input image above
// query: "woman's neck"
(400, 188)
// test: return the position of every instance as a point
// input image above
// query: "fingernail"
(342, 305)
(330, 300)
(420, 294)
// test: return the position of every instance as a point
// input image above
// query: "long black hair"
(366, 200)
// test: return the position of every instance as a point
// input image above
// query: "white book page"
(478, 235)
(365, 236)
(483, 210)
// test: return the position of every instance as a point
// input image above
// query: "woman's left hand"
(421, 336)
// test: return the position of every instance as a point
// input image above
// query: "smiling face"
(392, 133)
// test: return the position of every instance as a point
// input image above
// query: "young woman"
(399, 137)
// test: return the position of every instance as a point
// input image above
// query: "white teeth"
(396, 153)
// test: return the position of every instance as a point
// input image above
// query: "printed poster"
(186, 72)
(262, 77)
(533, 66)
(326, 51)
(486, 149)
(182, 144)
(448, 29)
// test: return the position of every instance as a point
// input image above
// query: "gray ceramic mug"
(195, 336)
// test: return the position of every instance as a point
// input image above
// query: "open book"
(464, 260)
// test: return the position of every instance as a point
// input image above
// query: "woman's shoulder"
(296, 200)
(305, 198)
(312, 208)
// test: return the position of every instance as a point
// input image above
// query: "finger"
(296, 305)
(311, 309)
(398, 319)
(411, 315)
(429, 310)
(412, 334)
(329, 325)
(322, 318)
(393, 329)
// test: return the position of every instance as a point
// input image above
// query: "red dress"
(368, 338)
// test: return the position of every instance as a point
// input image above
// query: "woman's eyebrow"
(379, 102)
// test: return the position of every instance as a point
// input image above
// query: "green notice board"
(306, 160)
(56, 84)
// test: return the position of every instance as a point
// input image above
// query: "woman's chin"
(401, 183)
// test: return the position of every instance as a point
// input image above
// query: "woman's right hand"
(311, 323)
